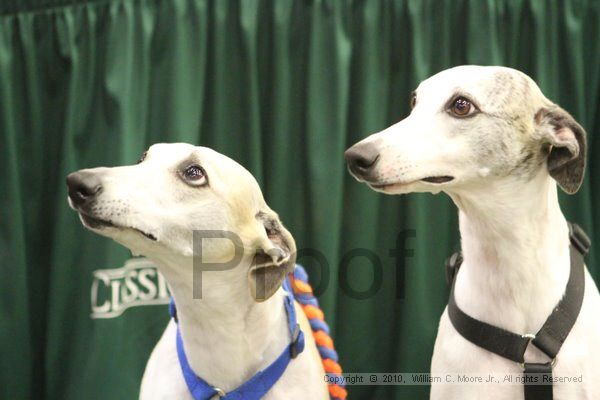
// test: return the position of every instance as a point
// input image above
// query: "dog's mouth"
(99, 224)
(436, 180)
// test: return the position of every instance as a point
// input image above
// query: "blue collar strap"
(257, 386)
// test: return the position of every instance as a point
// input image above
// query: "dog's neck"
(515, 247)
(227, 336)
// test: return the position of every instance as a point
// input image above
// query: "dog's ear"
(567, 140)
(275, 257)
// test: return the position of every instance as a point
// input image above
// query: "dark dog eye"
(194, 175)
(143, 157)
(461, 107)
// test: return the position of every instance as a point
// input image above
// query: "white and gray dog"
(491, 140)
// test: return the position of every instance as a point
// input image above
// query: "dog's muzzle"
(84, 188)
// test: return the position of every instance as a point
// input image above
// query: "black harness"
(548, 339)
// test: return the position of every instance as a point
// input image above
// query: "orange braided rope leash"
(303, 294)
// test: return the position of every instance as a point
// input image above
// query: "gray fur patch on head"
(531, 159)
(509, 144)
(508, 94)
(504, 145)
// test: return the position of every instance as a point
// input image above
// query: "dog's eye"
(194, 175)
(143, 157)
(461, 107)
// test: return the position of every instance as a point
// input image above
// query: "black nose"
(361, 159)
(83, 186)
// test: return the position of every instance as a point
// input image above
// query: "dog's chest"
(580, 355)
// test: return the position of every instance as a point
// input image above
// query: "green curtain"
(283, 87)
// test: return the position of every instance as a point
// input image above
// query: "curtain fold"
(283, 87)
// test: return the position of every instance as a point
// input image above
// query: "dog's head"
(154, 207)
(472, 125)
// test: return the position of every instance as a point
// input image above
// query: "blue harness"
(257, 386)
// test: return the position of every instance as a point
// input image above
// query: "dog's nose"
(83, 186)
(361, 158)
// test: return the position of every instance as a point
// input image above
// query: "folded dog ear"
(567, 139)
(275, 257)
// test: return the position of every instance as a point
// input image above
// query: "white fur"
(227, 335)
(514, 235)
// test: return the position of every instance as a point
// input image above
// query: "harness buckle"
(552, 363)
(297, 344)
(531, 337)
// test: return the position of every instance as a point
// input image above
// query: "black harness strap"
(548, 339)
(555, 330)
(532, 371)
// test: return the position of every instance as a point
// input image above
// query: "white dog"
(239, 325)
(489, 138)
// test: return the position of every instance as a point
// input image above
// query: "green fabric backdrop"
(283, 87)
